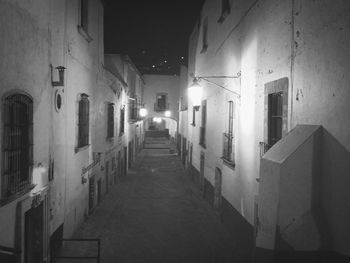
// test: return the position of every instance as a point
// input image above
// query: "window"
(110, 121)
(83, 121)
(133, 110)
(205, 35)
(84, 14)
(122, 119)
(161, 102)
(228, 138)
(18, 144)
(83, 19)
(225, 10)
(194, 109)
(202, 134)
(275, 118)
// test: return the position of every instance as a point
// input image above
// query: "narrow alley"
(154, 214)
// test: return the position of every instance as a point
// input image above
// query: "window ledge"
(84, 33)
(24, 191)
(228, 163)
(82, 148)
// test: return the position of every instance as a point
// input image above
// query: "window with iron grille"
(193, 116)
(83, 121)
(202, 133)
(110, 121)
(161, 102)
(133, 110)
(18, 144)
(275, 117)
(225, 10)
(228, 137)
(122, 120)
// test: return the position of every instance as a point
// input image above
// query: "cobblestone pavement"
(155, 214)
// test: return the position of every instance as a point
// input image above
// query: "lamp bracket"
(60, 82)
(206, 78)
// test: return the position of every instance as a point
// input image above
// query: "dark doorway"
(91, 193)
(184, 152)
(99, 191)
(201, 172)
(217, 189)
(34, 231)
(120, 165)
(130, 155)
(107, 176)
(275, 117)
(125, 166)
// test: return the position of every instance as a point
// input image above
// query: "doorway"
(275, 118)
(125, 166)
(99, 191)
(107, 176)
(91, 193)
(34, 233)
(201, 172)
(217, 189)
(184, 153)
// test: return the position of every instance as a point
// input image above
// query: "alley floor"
(156, 214)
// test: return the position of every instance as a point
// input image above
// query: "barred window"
(83, 121)
(122, 119)
(228, 138)
(110, 120)
(205, 35)
(18, 144)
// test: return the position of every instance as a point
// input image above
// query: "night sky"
(153, 33)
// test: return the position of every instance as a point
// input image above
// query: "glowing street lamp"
(143, 112)
(167, 113)
(157, 119)
(195, 93)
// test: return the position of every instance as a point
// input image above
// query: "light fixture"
(195, 93)
(60, 82)
(143, 112)
(195, 90)
(167, 113)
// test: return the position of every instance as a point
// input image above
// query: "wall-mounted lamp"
(167, 113)
(157, 119)
(60, 82)
(195, 93)
(195, 90)
(143, 112)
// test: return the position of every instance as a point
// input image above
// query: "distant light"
(153, 66)
(167, 113)
(143, 112)
(157, 119)
(182, 58)
(165, 61)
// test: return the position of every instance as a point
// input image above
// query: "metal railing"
(9, 254)
(61, 255)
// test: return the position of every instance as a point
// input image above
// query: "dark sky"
(153, 33)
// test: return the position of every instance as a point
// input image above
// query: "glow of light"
(195, 93)
(153, 66)
(143, 112)
(157, 119)
(182, 57)
(167, 113)
(165, 61)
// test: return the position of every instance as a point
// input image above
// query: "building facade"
(66, 132)
(269, 142)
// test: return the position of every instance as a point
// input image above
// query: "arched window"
(83, 121)
(18, 144)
